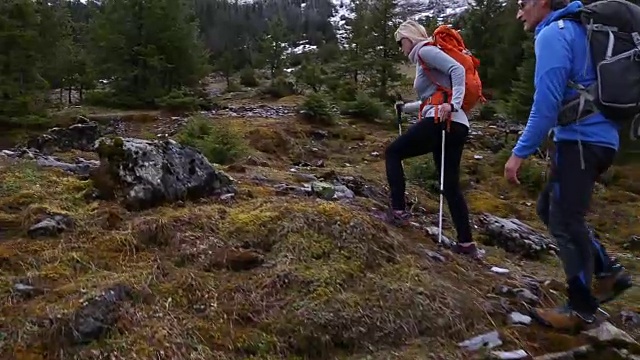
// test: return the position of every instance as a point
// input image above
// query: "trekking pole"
(443, 124)
(399, 104)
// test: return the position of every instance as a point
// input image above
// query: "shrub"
(217, 141)
(180, 100)
(363, 107)
(280, 87)
(422, 172)
(248, 77)
(316, 108)
(488, 112)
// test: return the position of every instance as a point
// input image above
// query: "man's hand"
(511, 169)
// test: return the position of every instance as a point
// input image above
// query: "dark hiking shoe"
(609, 285)
(467, 249)
(563, 318)
(398, 218)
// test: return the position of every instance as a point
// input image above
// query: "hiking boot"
(398, 218)
(467, 249)
(610, 284)
(562, 318)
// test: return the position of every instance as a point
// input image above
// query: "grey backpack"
(613, 30)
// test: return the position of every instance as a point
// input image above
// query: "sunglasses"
(400, 43)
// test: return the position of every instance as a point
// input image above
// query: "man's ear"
(545, 4)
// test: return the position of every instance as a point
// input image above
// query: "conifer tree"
(148, 47)
(519, 103)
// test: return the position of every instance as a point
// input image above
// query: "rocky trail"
(119, 242)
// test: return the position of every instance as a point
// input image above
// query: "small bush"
(217, 141)
(111, 99)
(180, 100)
(363, 107)
(422, 172)
(340, 89)
(233, 87)
(280, 87)
(531, 174)
(316, 108)
(488, 112)
(248, 77)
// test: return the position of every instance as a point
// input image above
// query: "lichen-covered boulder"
(147, 173)
(80, 136)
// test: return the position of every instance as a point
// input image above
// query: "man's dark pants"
(563, 206)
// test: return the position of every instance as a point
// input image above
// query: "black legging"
(423, 138)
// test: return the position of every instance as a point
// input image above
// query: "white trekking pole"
(399, 105)
(443, 124)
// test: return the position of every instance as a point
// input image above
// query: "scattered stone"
(26, 291)
(329, 191)
(523, 294)
(319, 134)
(96, 317)
(514, 236)
(436, 256)
(79, 136)
(517, 318)
(50, 227)
(633, 244)
(488, 340)
(630, 318)
(432, 232)
(573, 354)
(80, 167)
(151, 172)
(262, 110)
(499, 270)
(510, 355)
(286, 189)
(610, 336)
(526, 296)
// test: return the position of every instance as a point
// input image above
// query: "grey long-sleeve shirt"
(445, 70)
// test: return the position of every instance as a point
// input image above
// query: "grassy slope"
(333, 279)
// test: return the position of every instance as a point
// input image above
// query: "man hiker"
(433, 68)
(583, 151)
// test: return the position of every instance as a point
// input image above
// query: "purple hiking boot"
(398, 218)
(467, 249)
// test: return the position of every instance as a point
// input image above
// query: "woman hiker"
(426, 136)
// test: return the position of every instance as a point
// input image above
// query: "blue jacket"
(562, 54)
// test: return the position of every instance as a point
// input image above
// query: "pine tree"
(273, 46)
(508, 51)
(482, 34)
(519, 103)
(357, 36)
(22, 88)
(148, 47)
(383, 50)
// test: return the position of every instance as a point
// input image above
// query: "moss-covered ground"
(272, 276)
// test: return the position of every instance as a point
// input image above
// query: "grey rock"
(152, 172)
(51, 226)
(488, 340)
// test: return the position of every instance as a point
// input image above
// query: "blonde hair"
(413, 31)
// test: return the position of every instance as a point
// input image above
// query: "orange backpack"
(450, 41)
